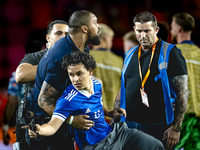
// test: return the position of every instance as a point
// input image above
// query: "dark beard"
(93, 41)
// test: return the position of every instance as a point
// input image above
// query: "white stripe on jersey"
(59, 116)
(96, 81)
(71, 95)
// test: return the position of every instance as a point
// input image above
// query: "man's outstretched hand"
(31, 133)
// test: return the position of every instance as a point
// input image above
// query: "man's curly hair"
(79, 57)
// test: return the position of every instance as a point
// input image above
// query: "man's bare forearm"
(47, 98)
(25, 72)
(106, 111)
(116, 105)
(9, 109)
(117, 99)
(181, 85)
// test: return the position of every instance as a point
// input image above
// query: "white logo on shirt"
(88, 110)
(96, 81)
(97, 114)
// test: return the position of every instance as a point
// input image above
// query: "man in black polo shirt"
(145, 90)
(26, 71)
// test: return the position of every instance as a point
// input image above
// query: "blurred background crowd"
(25, 20)
(22, 20)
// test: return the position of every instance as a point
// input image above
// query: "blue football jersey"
(75, 102)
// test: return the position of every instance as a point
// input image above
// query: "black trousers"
(20, 134)
(124, 138)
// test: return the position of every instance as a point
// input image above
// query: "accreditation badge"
(144, 97)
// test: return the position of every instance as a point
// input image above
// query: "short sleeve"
(65, 107)
(33, 58)
(61, 111)
(177, 64)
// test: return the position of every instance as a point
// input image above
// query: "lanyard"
(148, 72)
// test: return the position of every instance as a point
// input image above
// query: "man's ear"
(48, 38)
(104, 38)
(84, 28)
(180, 29)
(157, 30)
(90, 72)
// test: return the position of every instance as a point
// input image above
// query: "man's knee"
(148, 142)
(158, 145)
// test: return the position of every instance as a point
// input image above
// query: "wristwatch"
(176, 128)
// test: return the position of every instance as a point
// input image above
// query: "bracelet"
(176, 128)
(5, 127)
(71, 120)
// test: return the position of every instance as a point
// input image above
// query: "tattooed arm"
(180, 84)
(117, 99)
(47, 98)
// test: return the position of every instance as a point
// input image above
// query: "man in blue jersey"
(84, 96)
(51, 80)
